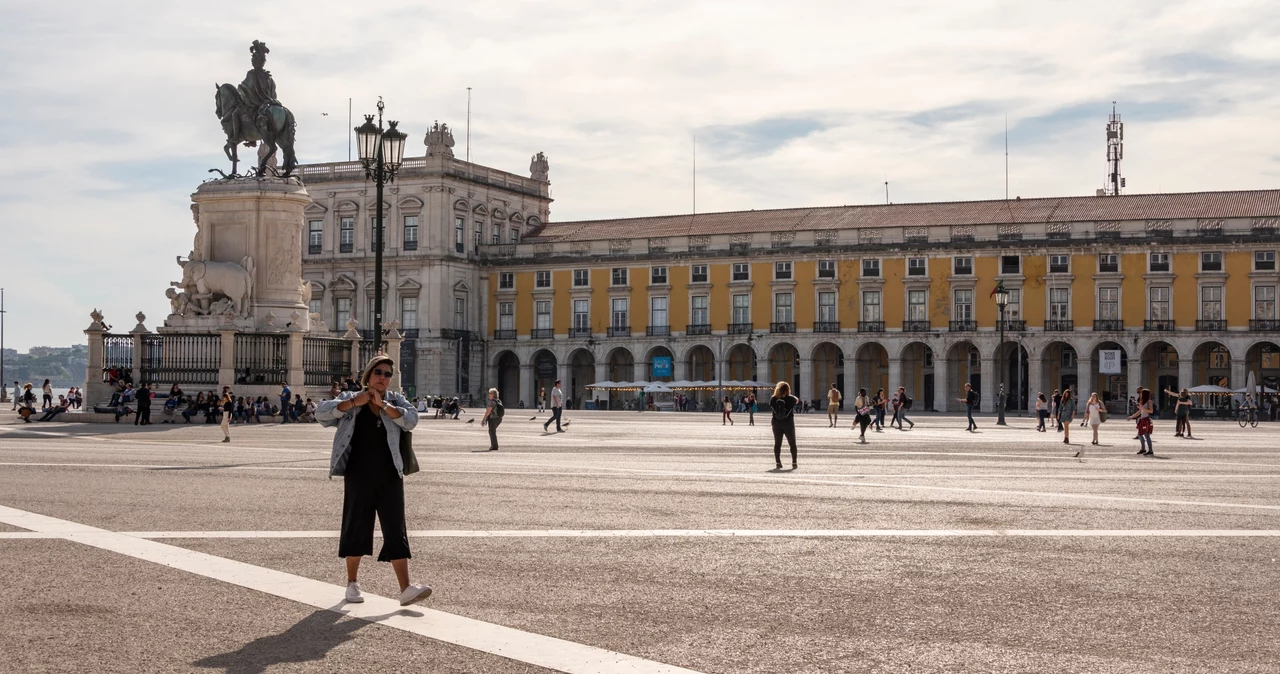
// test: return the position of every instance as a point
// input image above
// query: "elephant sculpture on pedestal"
(203, 281)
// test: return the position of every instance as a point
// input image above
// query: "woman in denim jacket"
(366, 453)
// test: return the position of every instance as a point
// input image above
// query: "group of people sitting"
(448, 408)
(212, 407)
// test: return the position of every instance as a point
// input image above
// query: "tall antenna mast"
(695, 174)
(886, 189)
(1115, 152)
(468, 125)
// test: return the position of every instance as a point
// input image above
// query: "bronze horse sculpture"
(251, 114)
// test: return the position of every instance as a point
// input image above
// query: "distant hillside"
(63, 365)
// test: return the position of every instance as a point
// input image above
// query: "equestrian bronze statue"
(250, 113)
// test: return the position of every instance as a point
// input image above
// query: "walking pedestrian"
(970, 401)
(1066, 413)
(542, 399)
(1053, 411)
(751, 409)
(879, 402)
(862, 411)
(783, 422)
(366, 453)
(285, 395)
(1145, 426)
(228, 405)
(493, 416)
(143, 417)
(557, 408)
(1042, 411)
(833, 405)
(1182, 412)
(1094, 412)
(47, 388)
(17, 393)
(728, 411)
(903, 404)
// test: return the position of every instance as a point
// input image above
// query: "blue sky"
(107, 120)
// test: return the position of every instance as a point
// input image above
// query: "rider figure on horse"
(254, 103)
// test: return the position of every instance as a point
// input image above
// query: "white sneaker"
(354, 596)
(414, 593)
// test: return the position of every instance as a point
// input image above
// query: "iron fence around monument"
(181, 359)
(366, 351)
(325, 360)
(117, 353)
(261, 359)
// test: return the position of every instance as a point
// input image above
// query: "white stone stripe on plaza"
(534, 649)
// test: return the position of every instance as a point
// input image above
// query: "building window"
(741, 308)
(1010, 264)
(741, 271)
(497, 234)
(1059, 264)
(542, 314)
(542, 279)
(581, 316)
(782, 312)
(1264, 303)
(964, 305)
(342, 312)
(515, 235)
(460, 313)
(375, 231)
(1108, 263)
(619, 276)
(658, 276)
(962, 266)
(698, 273)
(917, 305)
(1069, 357)
(1059, 304)
(826, 268)
(1264, 260)
(315, 236)
(507, 316)
(658, 312)
(1159, 262)
(410, 232)
(620, 315)
(827, 307)
(409, 313)
(871, 268)
(871, 305)
(479, 233)
(314, 306)
(581, 278)
(782, 271)
(1109, 303)
(506, 280)
(1160, 303)
(701, 314)
(459, 242)
(1211, 262)
(346, 235)
(1219, 357)
(1211, 303)
(916, 266)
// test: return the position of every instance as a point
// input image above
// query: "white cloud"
(108, 126)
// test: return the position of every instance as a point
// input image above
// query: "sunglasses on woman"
(381, 373)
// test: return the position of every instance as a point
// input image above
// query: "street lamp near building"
(1002, 301)
(381, 154)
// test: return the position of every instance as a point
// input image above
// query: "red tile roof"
(1195, 205)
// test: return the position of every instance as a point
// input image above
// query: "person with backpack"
(727, 415)
(879, 403)
(783, 422)
(862, 411)
(228, 405)
(493, 416)
(285, 395)
(904, 402)
(144, 406)
(833, 406)
(970, 401)
(751, 409)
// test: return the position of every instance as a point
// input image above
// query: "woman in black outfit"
(784, 421)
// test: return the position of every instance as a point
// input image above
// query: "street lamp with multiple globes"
(1002, 301)
(381, 154)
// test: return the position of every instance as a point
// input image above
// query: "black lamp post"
(381, 153)
(1002, 301)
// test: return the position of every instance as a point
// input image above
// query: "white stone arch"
(813, 348)
(903, 343)
(1227, 343)
(497, 356)
(688, 350)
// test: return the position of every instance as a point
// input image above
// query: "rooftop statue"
(250, 113)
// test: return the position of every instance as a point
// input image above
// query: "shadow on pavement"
(309, 640)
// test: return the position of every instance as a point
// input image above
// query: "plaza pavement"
(648, 543)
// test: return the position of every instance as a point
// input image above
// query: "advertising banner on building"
(1109, 361)
(661, 366)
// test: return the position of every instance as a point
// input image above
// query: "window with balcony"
(962, 266)
(1211, 261)
(782, 308)
(459, 313)
(871, 305)
(658, 276)
(346, 235)
(917, 266)
(658, 313)
(964, 305)
(410, 232)
(1160, 303)
(618, 276)
(741, 271)
(507, 316)
(782, 271)
(315, 236)
(698, 273)
(515, 235)
(1264, 303)
(1108, 263)
(871, 267)
(742, 309)
(1010, 264)
(581, 318)
(1059, 304)
(620, 317)
(1158, 262)
(542, 279)
(542, 319)
(1014, 308)
(409, 313)
(700, 313)
(1059, 264)
(342, 312)
(581, 278)
(1211, 303)
(1109, 303)
(827, 307)
(496, 232)
(826, 268)
(459, 235)
(315, 306)
(479, 234)
(1264, 260)
(917, 305)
